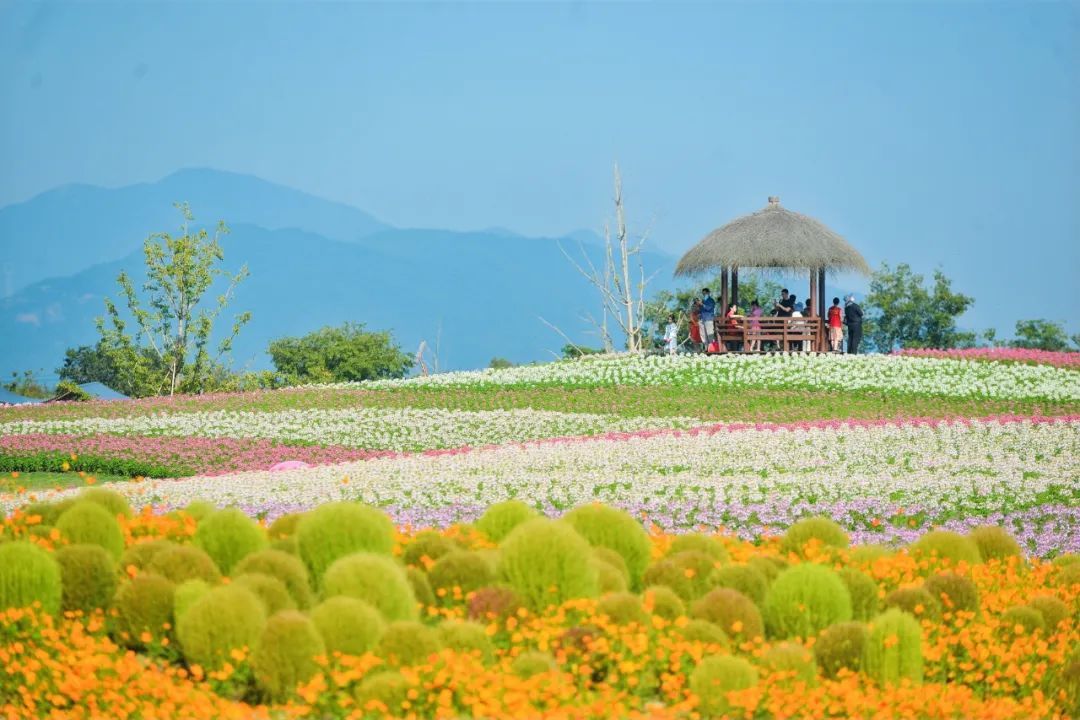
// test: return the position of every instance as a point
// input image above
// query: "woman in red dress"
(695, 324)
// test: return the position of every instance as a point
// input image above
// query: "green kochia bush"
(715, 677)
(199, 509)
(407, 642)
(547, 563)
(111, 500)
(283, 566)
(348, 625)
(373, 578)
(894, 648)
(144, 605)
(1022, 619)
(822, 529)
(186, 594)
(793, 659)
(916, 601)
(285, 654)
(462, 569)
(466, 636)
(428, 544)
(382, 694)
(841, 647)
(421, 587)
(623, 608)
(88, 522)
(88, 577)
(615, 560)
(663, 602)
(270, 591)
(604, 526)
(1053, 610)
(736, 614)
(863, 591)
(954, 592)
(285, 526)
(338, 529)
(185, 562)
(499, 519)
(227, 536)
(494, 602)
(745, 578)
(141, 554)
(532, 662)
(804, 600)
(700, 543)
(688, 573)
(28, 574)
(946, 545)
(994, 542)
(704, 631)
(225, 619)
(608, 577)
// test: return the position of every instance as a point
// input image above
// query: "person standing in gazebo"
(836, 325)
(853, 319)
(708, 318)
(695, 325)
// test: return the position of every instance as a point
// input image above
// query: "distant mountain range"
(313, 263)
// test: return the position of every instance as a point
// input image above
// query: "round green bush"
(703, 631)
(1066, 559)
(745, 578)
(715, 677)
(287, 545)
(894, 649)
(608, 577)
(1068, 575)
(954, 592)
(863, 591)
(1022, 620)
(793, 660)
(663, 602)
(869, 554)
(461, 569)
(141, 554)
(407, 642)
(1066, 683)
(283, 566)
(532, 662)
(824, 531)
(736, 614)
(382, 694)
(841, 647)
(615, 529)
(623, 608)
(916, 601)
(90, 523)
(199, 509)
(184, 562)
(88, 577)
(804, 600)
(186, 594)
(144, 605)
(111, 500)
(613, 559)
(499, 519)
(271, 592)
(702, 543)
(688, 573)
(347, 625)
(496, 602)
(994, 542)
(426, 548)
(338, 529)
(285, 653)
(1053, 610)
(547, 563)
(227, 536)
(946, 545)
(29, 574)
(227, 618)
(421, 587)
(769, 566)
(285, 526)
(51, 512)
(373, 578)
(466, 637)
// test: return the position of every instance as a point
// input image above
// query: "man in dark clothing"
(853, 320)
(785, 305)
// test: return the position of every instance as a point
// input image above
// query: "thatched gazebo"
(772, 238)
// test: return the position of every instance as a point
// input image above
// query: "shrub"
(421, 588)
(688, 573)
(199, 509)
(29, 574)
(493, 603)
(609, 527)
(373, 578)
(286, 545)
(407, 642)
(715, 677)
(227, 618)
(461, 569)
(227, 536)
(869, 554)
(769, 566)
(51, 512)
(863, 592)
(746, 579)
(283, 566)
(383, 693)
(430, 545)
(894, 649)
(338, 529)
(285, 654)
(111, 500)
(663, 602)
(793, 660)
(271, 592)
(700, 543)
(1068, 575)
(1066, 559)
(608, 577)
(613, 559)
(184, 562)
(499, 519)
(954, 592)
(1022, 620)
(88, 577)
(821, 529)
(90, 523)
(532, 662)
(703, 631)
(348, 626)
(186, 594)
(143, 606)
(547, 563)
(804, 600)
(468, 637)
(841, 647)
(916, 601)
(285, 526)
(1054, 611)
(946, 545)
(1067, 683)
(141, 554)
(736, 614)
(994, 542)
(623, 608)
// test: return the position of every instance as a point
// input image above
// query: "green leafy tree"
(903, 313)
(172, 341)
(1041, 335)
(339, 354)
(135, 372)
(500, 363)
(573, 352)
(26, 385)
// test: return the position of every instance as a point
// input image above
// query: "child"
(756, 312)
(671, 341)
(836, 325)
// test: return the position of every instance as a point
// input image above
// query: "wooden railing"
(771, 333)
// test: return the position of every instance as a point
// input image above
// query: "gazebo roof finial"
(774, 201)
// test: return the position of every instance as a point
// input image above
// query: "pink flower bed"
(1034, 357)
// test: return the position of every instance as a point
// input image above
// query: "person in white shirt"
(671, 336)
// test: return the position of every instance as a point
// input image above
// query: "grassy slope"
(31, 481)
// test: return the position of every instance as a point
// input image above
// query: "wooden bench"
(787, 334)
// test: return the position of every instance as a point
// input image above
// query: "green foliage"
(111, 500)
(70, 392)
(575, 352)
(902, 312)
(608, 577)
(954, 592)
(227, 536)
(141, 554)
(663, 602)
(143, 605)
(700, 543)
(736, 614)
(841, 647)
(1022, 620)
(499, 363)
(532, 662)
(285, 526)
(868, 554)
(688, 573)
(466, 636)
(715, 677)
(88, 577)
(373, 578)
(804, 600)
(407, 642)
(747, 579)
(285, 653)
(88, 522)
(499, 519)
(29, 574)
(185, 562)
(769, 566)
(461, 569)
(948, 545)
(347, 625)
(128, 369)
(547, 563)
(382, 694)
(428, 544)
(199, 509)
(421, 588)
(916, 601)
(1068, 575)
(994, 542)
(1041, 335)
(283, 566)
(863, 592)
(347, 353)
(227, 618)
(1053, 610)
(623, 608)
(493, 603)
(614, 559)
(26, 386)
(793, 660)
(703, 631)
(825, 531)
(894, 649)
(615, 529)
(334, 530)
(186, 594)
(271, 592)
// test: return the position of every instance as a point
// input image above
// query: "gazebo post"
(812, 303)
(734, 285)
(821, 307)
(723, 292)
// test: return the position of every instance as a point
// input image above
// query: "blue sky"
(935, 134)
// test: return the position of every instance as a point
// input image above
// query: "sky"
(938, 134)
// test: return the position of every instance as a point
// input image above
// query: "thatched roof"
(772, 238)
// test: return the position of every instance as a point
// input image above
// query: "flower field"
(761, 537)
